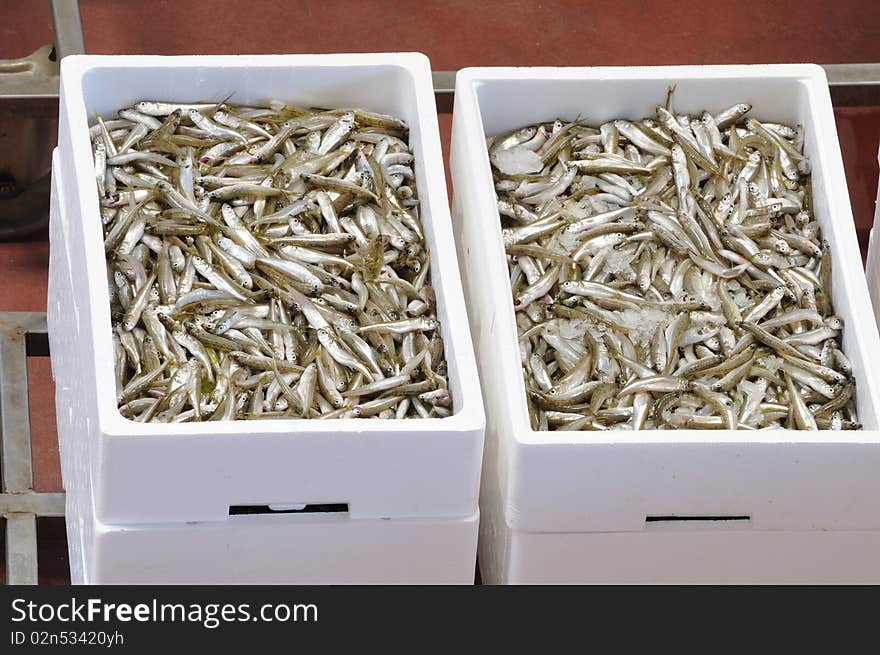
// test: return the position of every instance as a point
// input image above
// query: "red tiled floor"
(44, 439)
(24, 270)
(25, 25)
(458, 33)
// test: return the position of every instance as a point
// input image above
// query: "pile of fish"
(669, 273)
(266, 262)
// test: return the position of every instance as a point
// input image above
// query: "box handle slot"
(289, 508)
(676, 518)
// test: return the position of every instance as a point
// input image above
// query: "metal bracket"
(22, 334)
(29, 86)
(67, 28)
(444, 90)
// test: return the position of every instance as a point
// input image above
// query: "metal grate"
(22, 334)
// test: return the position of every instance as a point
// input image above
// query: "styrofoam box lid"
(610, 480)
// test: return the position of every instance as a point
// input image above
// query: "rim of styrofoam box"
(468, 413)
(828, 149)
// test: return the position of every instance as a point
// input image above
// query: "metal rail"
(67, 28)
(22, 334)
(853, 84)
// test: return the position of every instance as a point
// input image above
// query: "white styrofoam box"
(288, 549)
(194, 472)
(598, 482)
(872, 267)
(319, 548)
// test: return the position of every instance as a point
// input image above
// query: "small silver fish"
(266, 262)
(667, 273)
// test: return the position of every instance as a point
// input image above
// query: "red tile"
(445, 121)
(44, 438)
(25, 270)
(25, 25)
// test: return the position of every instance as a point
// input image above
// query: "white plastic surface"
(194, 472)
(872, 267)
(329, 548)
(320, 549)
(689, 556)
(304, 550)
(584, 482)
